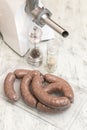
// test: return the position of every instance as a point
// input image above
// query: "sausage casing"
(25, 90)
(45, 98)
(43, 108)
(9, 87)
(20, 73)
(61, 87)
(51, 78)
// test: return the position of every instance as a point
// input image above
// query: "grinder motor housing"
(16, 23)
(18, 17)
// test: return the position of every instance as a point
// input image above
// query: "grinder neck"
(42, 16)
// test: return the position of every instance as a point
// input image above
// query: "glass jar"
(52, 56)
(35, 57)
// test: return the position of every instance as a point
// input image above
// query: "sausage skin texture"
(53, 87)
(51, 78)
(45, 98)
(9, 87)
(35, 94)
(61, 87)
(25, 90)
(20, 73)
(43, 108)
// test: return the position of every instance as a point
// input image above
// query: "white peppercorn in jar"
(52, 56)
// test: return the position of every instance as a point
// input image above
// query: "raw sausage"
(43, 108)
(45, 98)
(61, 87)
(35, 94)
(51, 78)
(20, 73)
(9, 87)
(25, 90)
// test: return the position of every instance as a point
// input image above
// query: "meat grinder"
(17, 17)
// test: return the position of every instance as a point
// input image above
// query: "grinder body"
(16, 24)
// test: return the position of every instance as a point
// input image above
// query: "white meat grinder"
(18, 17)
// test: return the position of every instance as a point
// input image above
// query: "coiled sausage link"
(54, 87)
(45, 98)
(61, 87)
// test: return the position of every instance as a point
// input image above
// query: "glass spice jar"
(35, 56)
(52, 56)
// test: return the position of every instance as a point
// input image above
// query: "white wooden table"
(72, 66)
